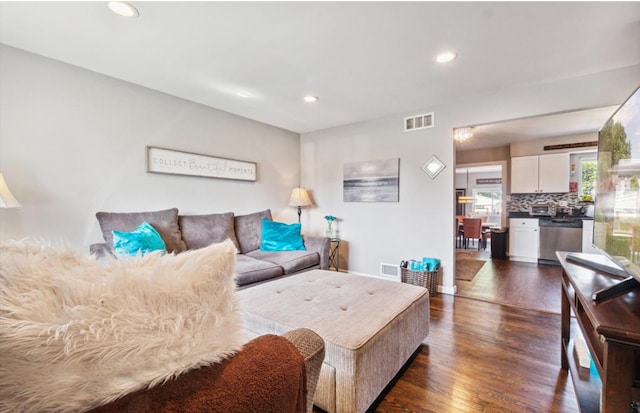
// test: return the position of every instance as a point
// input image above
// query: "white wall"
(422, 223)
(72, 142)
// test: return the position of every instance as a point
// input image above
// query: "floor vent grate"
(390, 270)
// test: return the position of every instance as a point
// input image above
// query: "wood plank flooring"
(482, 356)
(518, 284)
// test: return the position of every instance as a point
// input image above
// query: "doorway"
(480, 191)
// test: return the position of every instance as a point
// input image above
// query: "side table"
(334, 254)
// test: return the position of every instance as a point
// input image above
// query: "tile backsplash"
(521, 202)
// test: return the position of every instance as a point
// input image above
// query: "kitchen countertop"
(526, 215)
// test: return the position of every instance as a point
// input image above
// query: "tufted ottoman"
(370, 327)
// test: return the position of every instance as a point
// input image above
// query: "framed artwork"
(169, 161)
(372, 181)
(460, 207)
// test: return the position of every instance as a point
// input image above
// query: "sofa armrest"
(311, 346)
(321, 245)
(266, 376)
(101, 251)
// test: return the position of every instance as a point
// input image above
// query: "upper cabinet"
(540, 174)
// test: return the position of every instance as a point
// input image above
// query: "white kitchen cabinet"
(540, 173)
(524, 239)
(587, 237)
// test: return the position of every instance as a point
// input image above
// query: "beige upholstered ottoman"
(370, 327)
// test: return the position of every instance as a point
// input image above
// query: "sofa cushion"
(290, 261)
(250, 270)
(278, 236)
(141, 241)
(77, 333)
(165, 222)
(199, 231)
(249, 230)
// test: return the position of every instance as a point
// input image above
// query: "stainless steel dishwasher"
(559, 234)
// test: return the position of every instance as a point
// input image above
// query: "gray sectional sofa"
(184, 232)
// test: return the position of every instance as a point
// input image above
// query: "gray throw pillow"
(249, 230)
(165, 222)
(199, 231)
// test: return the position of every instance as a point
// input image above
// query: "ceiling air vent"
(390, 270)
(418, 122)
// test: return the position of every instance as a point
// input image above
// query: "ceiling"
(537, 127)
(365, 60)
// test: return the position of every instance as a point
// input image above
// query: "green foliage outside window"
(613, 141)
(588, 177)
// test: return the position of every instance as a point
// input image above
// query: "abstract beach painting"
(372, 181)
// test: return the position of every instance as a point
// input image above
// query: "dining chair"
(460, 236)
(472, 228)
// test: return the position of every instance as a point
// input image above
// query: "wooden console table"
(611, 329)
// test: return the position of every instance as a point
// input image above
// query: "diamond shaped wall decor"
(433, 166)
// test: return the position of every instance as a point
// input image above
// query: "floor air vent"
(390, 270)
(418, 122)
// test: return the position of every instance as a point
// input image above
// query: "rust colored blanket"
(268, 375)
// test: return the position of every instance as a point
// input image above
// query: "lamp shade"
(299, 198)
(7, 200)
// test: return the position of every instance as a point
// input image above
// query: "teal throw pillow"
(277, 236)
(142, 240)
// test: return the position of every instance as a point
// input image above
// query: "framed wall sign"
(169, 161)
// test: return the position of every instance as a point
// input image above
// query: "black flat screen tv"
(616, 231)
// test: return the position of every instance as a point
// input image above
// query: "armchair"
(271, 373)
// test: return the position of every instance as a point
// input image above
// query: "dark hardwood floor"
(494, 347)
(484, 357)
(517, 284)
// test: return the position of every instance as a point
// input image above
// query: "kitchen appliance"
(589, 210)
(559, 234)
(574, 211)
(542, 210)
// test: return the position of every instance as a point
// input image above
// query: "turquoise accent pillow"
(277, 236)
(142, 240)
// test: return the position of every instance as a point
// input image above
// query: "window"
(587, 178)
(488, 202)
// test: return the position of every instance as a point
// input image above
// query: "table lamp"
(299, 198)
(7, 200)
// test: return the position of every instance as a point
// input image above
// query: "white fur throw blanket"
(76, 333)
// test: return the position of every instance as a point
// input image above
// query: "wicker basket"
(426, 279)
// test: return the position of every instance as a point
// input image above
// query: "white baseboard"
(442, 289)
(523, 259)
(374, 276)
(448, 290)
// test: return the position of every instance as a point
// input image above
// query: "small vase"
(329, 231)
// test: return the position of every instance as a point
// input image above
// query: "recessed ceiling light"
(311, 98)
(446, 57)
(123, 9)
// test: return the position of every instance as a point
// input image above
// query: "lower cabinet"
(524, 239)
(587, 237)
